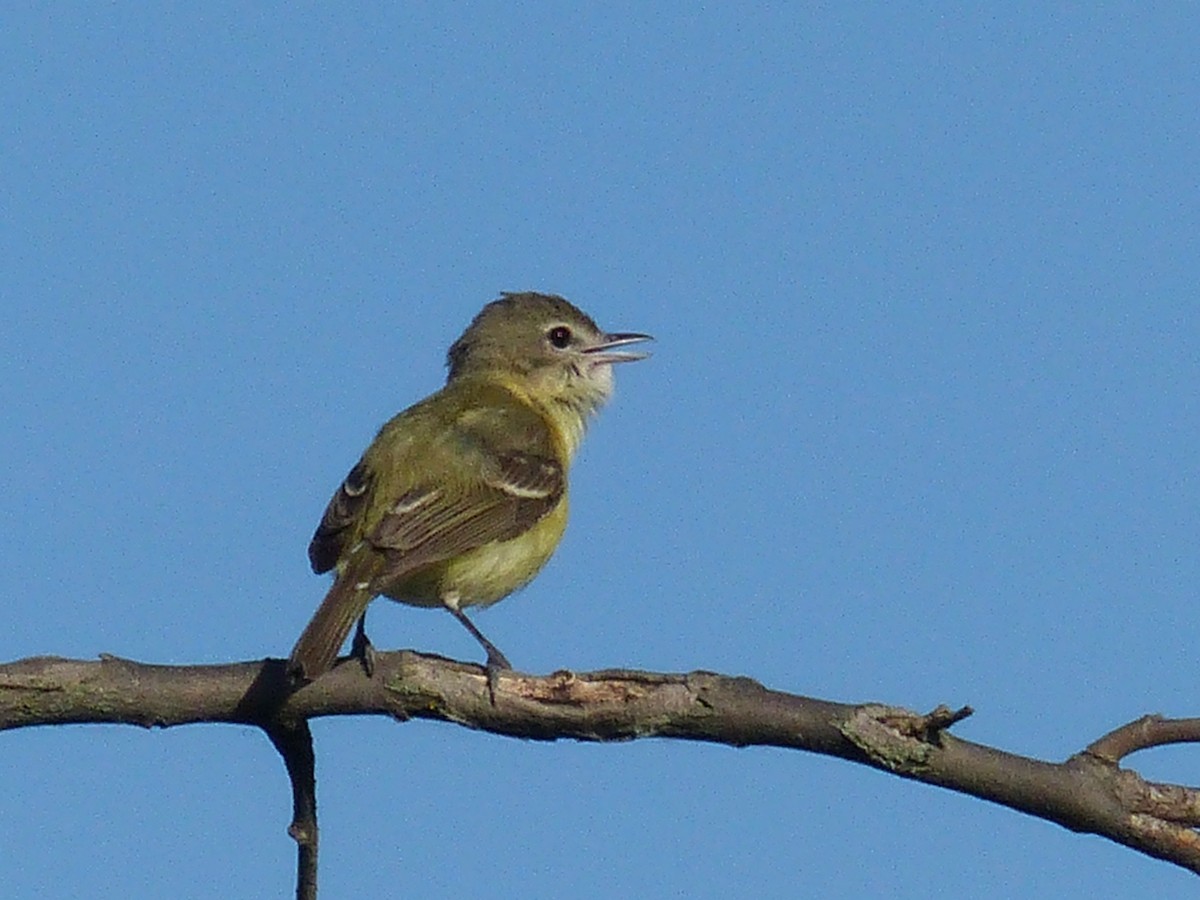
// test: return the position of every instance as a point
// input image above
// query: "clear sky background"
(921, 425)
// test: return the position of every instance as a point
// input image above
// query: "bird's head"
(553, 350)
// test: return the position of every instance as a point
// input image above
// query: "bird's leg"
(496, 661)
(361, 648)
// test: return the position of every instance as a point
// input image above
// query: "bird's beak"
(606, 352)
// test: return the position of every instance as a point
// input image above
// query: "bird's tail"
(325, 633)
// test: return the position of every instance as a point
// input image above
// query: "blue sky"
(920, 426)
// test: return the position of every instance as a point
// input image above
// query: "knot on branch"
(900, 739)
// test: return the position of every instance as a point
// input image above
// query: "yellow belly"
(482, 576)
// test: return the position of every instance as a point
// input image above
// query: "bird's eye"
(559, 336)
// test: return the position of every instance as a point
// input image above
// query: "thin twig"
(1143, 733)
(294, 743)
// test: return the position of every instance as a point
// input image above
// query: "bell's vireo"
(462, 498)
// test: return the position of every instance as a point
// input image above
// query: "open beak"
(606, 352)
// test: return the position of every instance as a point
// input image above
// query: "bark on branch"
(1089, 792)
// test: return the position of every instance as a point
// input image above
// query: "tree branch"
(1089, 792)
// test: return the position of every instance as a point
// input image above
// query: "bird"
(462, 498)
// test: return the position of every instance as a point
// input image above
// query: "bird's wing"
(345, 509)
(497, 492)
(429, 524)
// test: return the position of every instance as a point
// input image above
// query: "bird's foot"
(363, 650)
(497, 662)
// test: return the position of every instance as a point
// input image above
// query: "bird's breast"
(485, 574)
